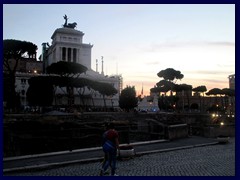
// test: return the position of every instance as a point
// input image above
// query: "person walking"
(110, 145)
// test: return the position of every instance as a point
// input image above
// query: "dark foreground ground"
(194, 156)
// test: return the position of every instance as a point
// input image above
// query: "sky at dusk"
(139, 40)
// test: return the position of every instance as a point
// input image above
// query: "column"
(69, 58)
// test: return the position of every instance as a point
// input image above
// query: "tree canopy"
(182, 87)
(40, 91)
(170, 74)
(16, 49)
(128, 99)
(228, 92)
(168, 84)
(63, 68)
(43, 85)
(200, 89)
(157, 89)
(214, 91)
(13, 51)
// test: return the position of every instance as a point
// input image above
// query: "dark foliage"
(128, 99)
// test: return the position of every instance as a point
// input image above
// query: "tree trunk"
(200, 102)
(104, 100)
(188, 99)
(93, 103)
(12, 98)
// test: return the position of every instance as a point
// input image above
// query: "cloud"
(142, 77)
(221, 44)
(155, 47)
(214, 81)
(225, 65)
(153, 63)
(207, 72)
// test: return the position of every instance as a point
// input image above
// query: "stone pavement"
(194, 156)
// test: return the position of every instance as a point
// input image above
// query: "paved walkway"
(203, 160)
(24, 163)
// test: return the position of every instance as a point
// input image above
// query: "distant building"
(231, 81)
(195, 103)
(67, 45)
(148, 103)
(26, 65)
(231, 100)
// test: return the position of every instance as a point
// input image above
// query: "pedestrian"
(110, 145)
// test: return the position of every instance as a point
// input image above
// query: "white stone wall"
(85, 56)
(22, 85)
(71, 38)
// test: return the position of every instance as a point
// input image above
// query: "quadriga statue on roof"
(69, 25)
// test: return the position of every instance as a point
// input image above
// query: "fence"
(33, 134)
(24, 138)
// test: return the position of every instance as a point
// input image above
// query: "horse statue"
(69, 25)
(72, 25)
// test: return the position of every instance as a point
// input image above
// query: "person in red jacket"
(110, 144)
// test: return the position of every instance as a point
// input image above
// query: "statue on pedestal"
(69, 25)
